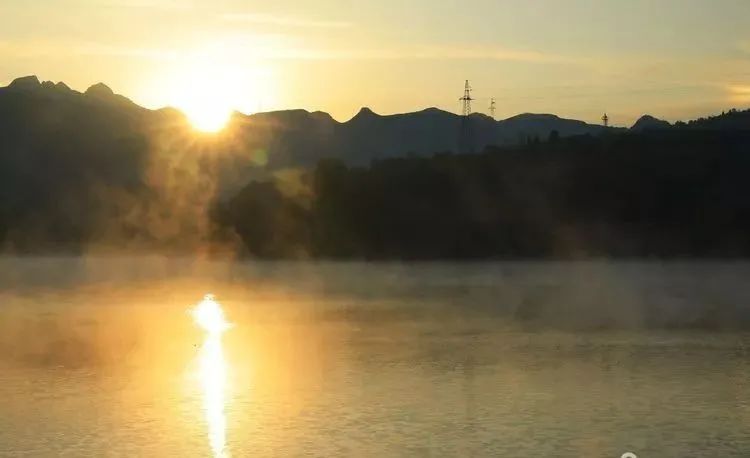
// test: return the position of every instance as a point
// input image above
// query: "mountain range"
(286, 138)
(94, 167)
(279, 139)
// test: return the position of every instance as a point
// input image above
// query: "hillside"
(287, 138)
(660, 193)
(89, 169)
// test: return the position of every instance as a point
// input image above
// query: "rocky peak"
(365, 113)
(25, 83)
(99, 90)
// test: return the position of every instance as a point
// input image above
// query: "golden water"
(100, 358)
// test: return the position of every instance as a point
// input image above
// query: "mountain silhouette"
(87, 166)
(301, 138)
(26, 83)
(292, 138)
(33, 113)
(648, 122)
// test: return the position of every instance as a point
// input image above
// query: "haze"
(675, 59)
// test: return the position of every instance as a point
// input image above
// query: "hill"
(287, 138)
(648, 122)
(93, 169)
(660, 193)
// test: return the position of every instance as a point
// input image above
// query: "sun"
(209, 91)
(207, 114)
(207, 96)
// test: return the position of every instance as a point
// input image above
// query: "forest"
(681, 192)
(93, 172)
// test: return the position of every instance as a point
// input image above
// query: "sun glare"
(206, 97)
(209, 86)
(209, 316)
(213, 372)
(208, 117)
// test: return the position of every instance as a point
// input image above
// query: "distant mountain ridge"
(301, 138)
(79, 167)
(294, 138)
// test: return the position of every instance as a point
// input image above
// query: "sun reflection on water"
(213, 371)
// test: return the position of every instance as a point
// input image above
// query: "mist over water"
(100, 356)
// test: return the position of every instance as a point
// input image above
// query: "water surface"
(100, 357)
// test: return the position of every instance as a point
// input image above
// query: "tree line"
(660, 193)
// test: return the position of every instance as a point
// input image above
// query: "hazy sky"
(577, 58)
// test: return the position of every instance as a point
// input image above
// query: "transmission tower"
(466, 99)
(605, 120)
(465, 144)
(493, 107)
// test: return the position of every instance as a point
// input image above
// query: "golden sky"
(674, 59)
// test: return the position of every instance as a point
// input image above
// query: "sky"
(674, 59)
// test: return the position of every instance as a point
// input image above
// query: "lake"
(102, 357)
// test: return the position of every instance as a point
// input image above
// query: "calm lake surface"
(101, 357)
